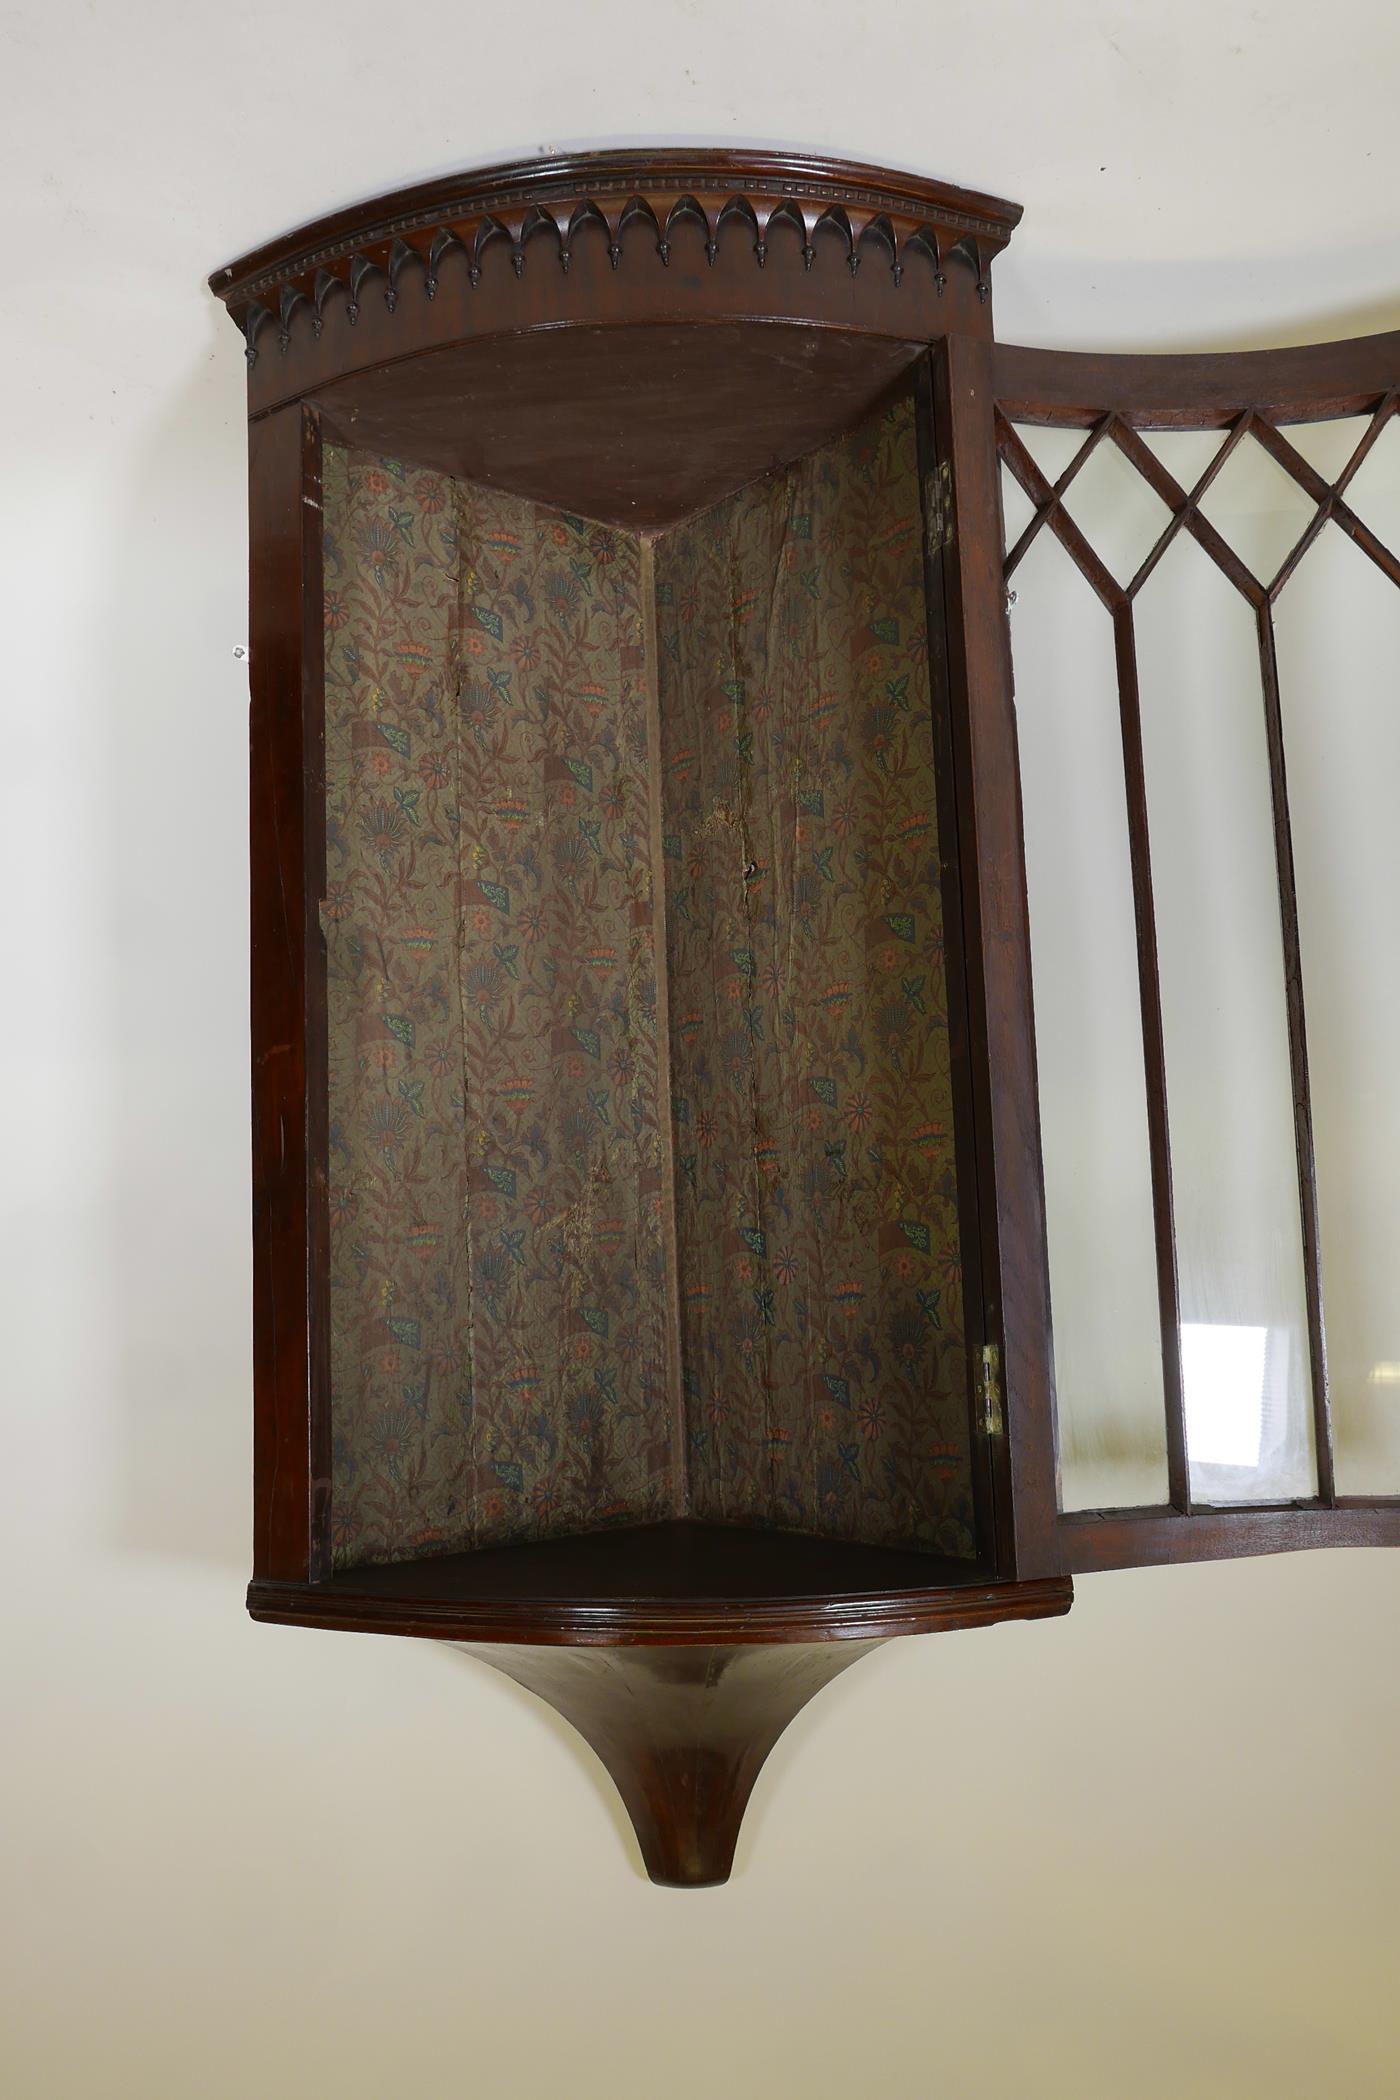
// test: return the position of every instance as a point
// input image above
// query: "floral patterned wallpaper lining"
(499, 1212)
(498, 1311)
(820, 1275)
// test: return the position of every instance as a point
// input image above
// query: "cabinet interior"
(644, 1086)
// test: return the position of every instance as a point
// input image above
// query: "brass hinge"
(992, 1421)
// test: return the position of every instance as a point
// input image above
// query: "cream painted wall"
(1145, 1853)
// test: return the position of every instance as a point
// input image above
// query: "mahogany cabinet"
(654, 1246)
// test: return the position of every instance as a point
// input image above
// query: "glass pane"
(1017, 510)
(1186, 454)
(1229, 1086)
(1118, 512)
(1259, 508)
(1103, 1277)
(1328, 446)
(1050, 446)
(1338, 629)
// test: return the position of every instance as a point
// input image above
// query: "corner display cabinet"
(663, 1179)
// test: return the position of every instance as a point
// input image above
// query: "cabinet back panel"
(818, 1237)
(541, 1324)
(498, 1311)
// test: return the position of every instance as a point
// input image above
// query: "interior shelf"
(681, 1579)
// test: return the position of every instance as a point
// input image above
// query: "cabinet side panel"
(497, 1258)
(287, 1007)
(400, 1288)
(821, 1278)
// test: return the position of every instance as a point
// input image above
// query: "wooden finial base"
(683, 1731)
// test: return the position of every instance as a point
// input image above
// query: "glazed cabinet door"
(1203, 586)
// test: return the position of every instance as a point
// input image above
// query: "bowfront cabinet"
(658, 1211)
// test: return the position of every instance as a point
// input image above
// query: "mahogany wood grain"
(653, 236)
(684, 1732)
(510, 190)
(287, 855)
(957, 870)
(1299, 1082)
(637, 426)
(1006, 1100)
(1312, 384)
(1138, 1538)
(1154, 1054)
(674, 1582)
